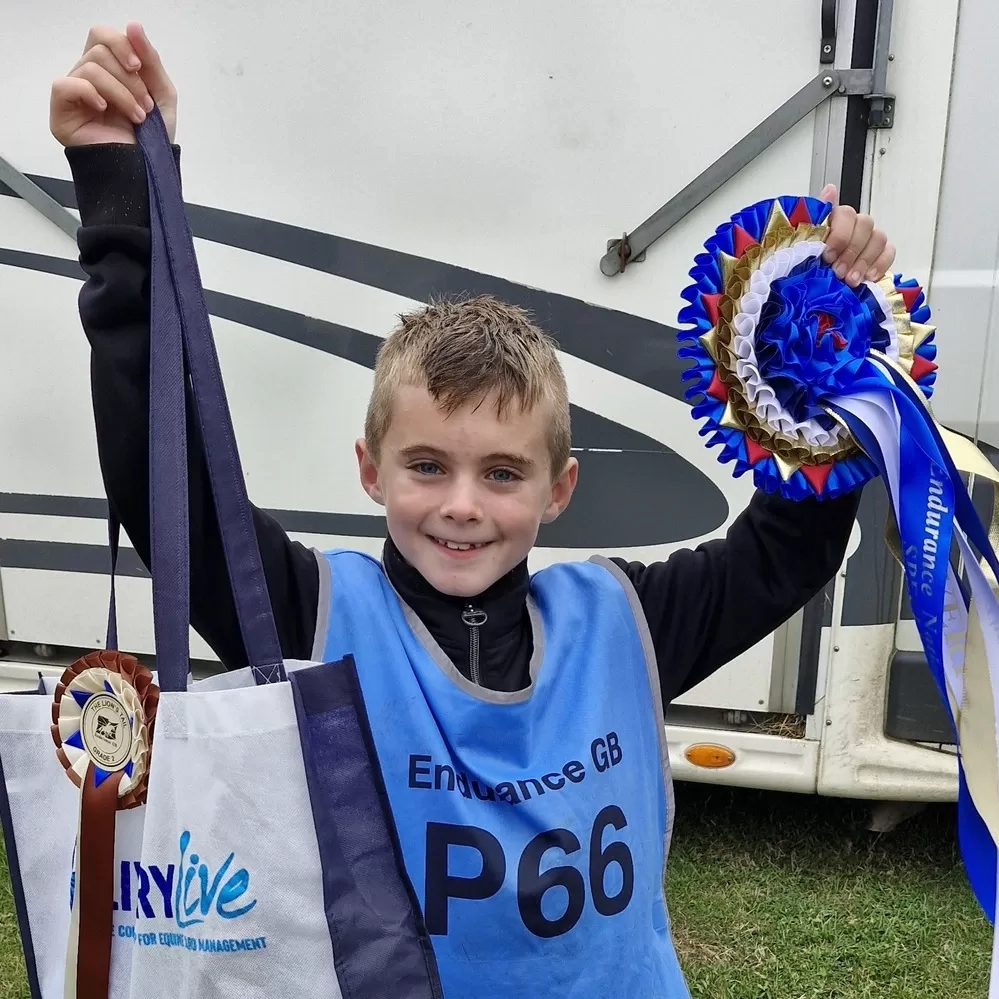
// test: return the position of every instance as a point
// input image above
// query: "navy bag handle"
(180, 331)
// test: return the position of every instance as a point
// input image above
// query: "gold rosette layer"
(790, 452)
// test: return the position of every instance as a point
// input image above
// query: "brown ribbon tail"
(95, 885)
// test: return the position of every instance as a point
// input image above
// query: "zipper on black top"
(475, 618)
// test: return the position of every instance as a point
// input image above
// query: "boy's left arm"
(708, 605)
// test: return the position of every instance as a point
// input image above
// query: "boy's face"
(464, 494)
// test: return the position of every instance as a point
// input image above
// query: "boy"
(518, 720)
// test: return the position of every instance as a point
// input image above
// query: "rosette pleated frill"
(776, 334)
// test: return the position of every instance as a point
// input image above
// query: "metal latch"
(881, 110)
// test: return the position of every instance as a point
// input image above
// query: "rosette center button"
(106, 731)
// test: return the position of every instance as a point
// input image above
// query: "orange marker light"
(706, 755)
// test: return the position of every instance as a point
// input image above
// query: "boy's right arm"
(114, 243)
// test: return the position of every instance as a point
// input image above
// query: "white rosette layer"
(101, 681)
(756, 389)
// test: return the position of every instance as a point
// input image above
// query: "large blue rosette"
(817, 387)
(775, 335)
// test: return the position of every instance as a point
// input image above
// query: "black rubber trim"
(855, 139)
(828, 32)
(816, 615)
(914, 711)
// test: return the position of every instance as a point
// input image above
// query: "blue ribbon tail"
(932, 502)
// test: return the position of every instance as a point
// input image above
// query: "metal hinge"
(881, 105)
(870, 83)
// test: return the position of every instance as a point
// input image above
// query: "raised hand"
(111, 89)
(856, 249)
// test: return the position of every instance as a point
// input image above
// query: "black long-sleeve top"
(704, 606)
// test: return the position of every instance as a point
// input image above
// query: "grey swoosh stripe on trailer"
(64, 556)
(42, 262)
(585, 525)
(95, 508)
(624, 488)
(589, 429)
(89, 507)
(629, 345)
(607, 513)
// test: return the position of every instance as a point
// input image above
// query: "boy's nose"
(462, 502)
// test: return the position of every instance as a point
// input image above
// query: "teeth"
(455, 546)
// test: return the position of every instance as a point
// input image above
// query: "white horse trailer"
(343, 162)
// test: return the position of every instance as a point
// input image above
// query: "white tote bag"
(228, 801)
(252, 867)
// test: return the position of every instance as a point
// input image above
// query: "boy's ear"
(368, 471)
(562, 491)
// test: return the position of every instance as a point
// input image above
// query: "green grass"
(13, 984)
(784, 897)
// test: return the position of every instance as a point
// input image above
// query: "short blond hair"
(463, 350)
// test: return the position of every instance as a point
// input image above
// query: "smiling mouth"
(458, 546)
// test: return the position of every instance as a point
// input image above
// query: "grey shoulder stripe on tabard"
(322, 606)
(652, 669)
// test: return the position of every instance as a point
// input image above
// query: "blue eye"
(426, 467)
(503, 475)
